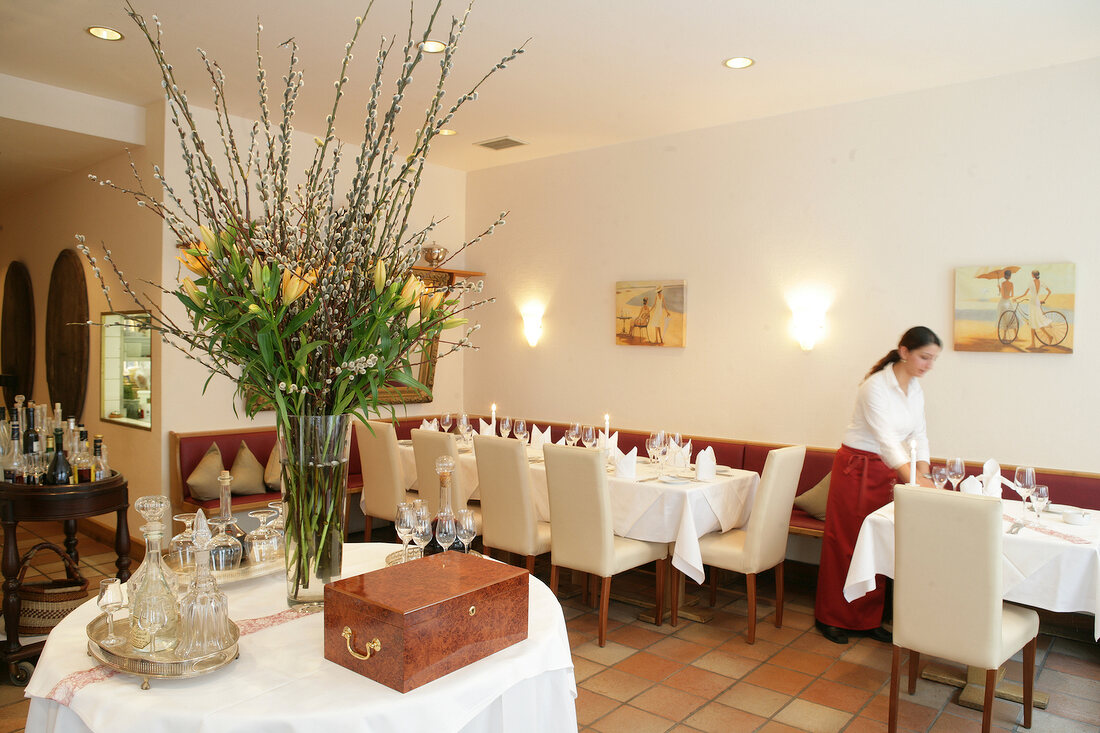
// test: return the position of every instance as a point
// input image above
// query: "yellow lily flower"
(191, 290)
(379, 275)
(410, 292)
(454, 322)
(295, 284)
(208, 237)
(198, 264)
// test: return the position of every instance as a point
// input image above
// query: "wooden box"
(406, 625)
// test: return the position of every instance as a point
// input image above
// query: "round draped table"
(282, 682)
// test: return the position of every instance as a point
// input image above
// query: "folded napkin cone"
(487, 428)
(626, 465)
(538, 437)
(705, 465)
(972, 485)
(433, 425)
(991, 478)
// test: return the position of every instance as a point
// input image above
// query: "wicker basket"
(44, 604)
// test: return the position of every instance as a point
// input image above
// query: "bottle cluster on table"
(41, 448)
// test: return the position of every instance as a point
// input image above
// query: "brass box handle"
(373, 646)
(473, 610)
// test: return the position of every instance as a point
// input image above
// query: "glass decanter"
(152, 508)
(226, 504)
(204, 610)
(444, 466)
(154, 610)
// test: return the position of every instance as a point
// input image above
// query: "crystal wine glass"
(446, 421)
(181, 549)
(111, 599)
(403, 523)
(519, 429)
(467, 528)
(225, 550)
(505, 426)
(939, 476)
(263, 542)
(445, 530)
(573, 433)
(422, 531)
(1024, 481)
(1040, 498)
(956, 470)
(463, 423)
(279, 525)
(588, 436)
(420, 509)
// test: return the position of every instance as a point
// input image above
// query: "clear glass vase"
(314, 451)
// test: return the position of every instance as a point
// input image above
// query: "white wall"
(877, 201)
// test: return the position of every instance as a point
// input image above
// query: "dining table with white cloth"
(678, 509)
(1051, 565)
(282, 682)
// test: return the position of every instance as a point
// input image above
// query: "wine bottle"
(83, 465)
(59, 472)
(30, 436)
(13, 465)
(101, 470)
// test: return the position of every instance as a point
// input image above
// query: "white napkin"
(626, 465)
(972, 485)
(560, 441)
(705, 465)
(487, 428)
(433, 425)
(991, 478)
(538, 437)
(679, 457)
(609, 444)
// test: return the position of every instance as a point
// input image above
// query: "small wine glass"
(422, 531)
(1040, 498)
(279, 525)
(956, 470)
(519, 429)
(573, 433)
(111, 599)
(939, 476)
(181, 549)
(588, 436)
(446, 421)
(505, 426)
(1024, 480)
(404, 524)
(445, 530)
(264, 541)
(226, 550)
(467, 528)
(420, 509)
(463, 421)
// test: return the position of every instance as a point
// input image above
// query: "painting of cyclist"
(1036, 319)
(1008, 292)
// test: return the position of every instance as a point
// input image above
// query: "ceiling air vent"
(500, 143)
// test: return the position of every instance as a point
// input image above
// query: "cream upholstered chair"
(762, 543)
(948, 591)
(580, 512)
(383, 488)
(508, 513)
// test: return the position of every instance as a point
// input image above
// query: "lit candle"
(607, 425)
(493, 419)
(912, 461)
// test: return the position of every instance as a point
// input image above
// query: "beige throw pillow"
(247, 473)
(813, 501)
(273, 471)
(203, 481)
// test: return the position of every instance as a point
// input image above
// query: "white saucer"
(673, 480)
(1076, 516)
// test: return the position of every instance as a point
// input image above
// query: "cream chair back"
(580, 510)
(947, 574)
(383, 488)
(769, 523)
(504, 482)
(428, 445)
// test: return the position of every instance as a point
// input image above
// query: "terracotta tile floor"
(704, 677)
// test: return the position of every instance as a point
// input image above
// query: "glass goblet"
(588, 436)
(939, 476)
(1024, 480)
(446, 421)
(505, 426)
(956, 470)
(225, 549)
(111, 598)
(573, 433)
(422, 532)
(1040, 498)
(181, 548)
(445, 530)
(463, 422)
(519, 429)
(403, 523)
(263, 542)
(467, 528)
(279, 524)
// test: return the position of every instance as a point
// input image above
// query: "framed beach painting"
(1019, 308)
(650, 313)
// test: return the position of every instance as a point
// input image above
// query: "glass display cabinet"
(126, 369)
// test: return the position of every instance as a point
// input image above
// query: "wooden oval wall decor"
(17, 333)
(67, 334)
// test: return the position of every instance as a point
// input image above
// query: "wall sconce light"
(532, 322)
(808, 307)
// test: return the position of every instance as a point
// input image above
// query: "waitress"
(874, 456)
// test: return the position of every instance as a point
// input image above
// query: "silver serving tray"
(160, 665)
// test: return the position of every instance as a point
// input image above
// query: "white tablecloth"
(1039, 569)
(282, 682)
(642, 508)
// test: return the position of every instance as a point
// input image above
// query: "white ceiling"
(597, 72)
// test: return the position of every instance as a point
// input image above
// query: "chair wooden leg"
(713, 586)
(586, 589)
(605, 598)
(553, 579)
(987, 707)
(750, 582)
(674, 581)
(659, 600)
(895, 670)
(531, 564)
(366, 527)
(914, 663)
(779, 595)
(1029, 680)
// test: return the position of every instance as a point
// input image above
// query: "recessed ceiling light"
(739, 62)
(446, 131)
(104, 33)
(433, 46)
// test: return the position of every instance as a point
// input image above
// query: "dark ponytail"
(915, 338)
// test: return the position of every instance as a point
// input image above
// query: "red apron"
(860, 484)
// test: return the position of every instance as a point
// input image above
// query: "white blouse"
(886, 419)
